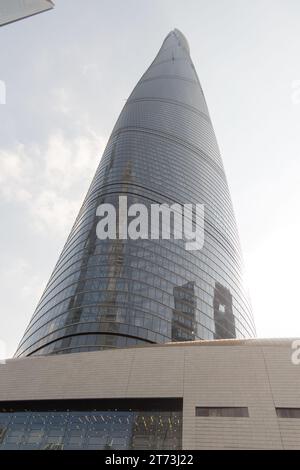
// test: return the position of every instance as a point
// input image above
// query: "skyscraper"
(114, 293)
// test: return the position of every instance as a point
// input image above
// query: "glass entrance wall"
(44, 428)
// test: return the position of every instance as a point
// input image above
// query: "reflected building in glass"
(116, 293)
(184, 314)
(223, 314)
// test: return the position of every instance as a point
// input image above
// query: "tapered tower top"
(178, 36)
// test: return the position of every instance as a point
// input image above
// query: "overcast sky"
(67, 74)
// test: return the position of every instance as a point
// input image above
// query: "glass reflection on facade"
(223, 315)
(90, 429)
(184, 322)
(115, 293)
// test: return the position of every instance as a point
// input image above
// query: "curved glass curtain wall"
(116, 293)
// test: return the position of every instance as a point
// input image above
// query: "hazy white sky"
(67, 75)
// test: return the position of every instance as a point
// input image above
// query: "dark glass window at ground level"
(223, 412)
(106, 424)
(288, 412)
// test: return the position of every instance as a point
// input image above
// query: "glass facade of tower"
(14, 10)
(116, 293)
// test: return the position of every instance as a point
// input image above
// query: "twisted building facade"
(114, 293)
